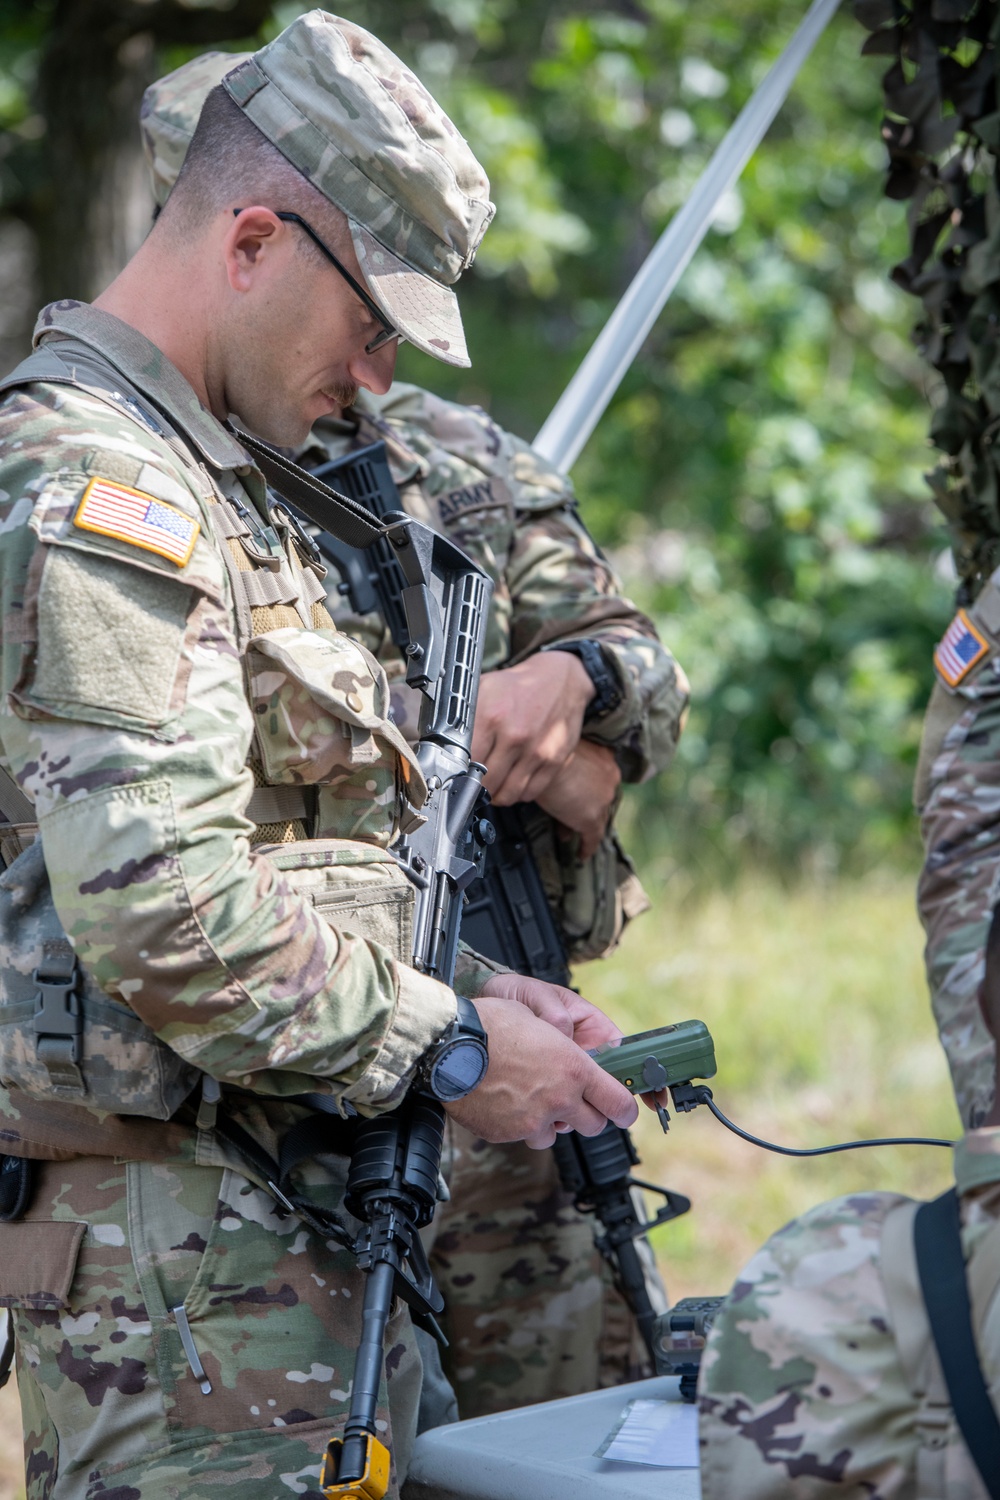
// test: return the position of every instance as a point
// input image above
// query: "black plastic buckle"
(58, 1020)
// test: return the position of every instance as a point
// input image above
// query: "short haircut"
(230, 161)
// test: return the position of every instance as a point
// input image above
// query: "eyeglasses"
(389, 333)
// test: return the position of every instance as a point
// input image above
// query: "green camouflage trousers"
(111, 1408)
(530, 1309)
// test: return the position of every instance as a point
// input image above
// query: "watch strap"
(467, 1020)
(608, 691)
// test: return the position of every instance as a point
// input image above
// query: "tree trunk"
(91, 205)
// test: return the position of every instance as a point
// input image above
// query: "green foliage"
(817, 1003)
(758, 476)
(22, 33)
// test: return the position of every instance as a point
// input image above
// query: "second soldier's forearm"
(562, 588)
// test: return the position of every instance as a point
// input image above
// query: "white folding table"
(544, 1452)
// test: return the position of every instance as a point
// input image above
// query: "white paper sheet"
(663, 1434)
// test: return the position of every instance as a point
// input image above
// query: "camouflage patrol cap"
(362, 129)
(170, 111)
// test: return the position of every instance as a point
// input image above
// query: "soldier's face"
(297, 337)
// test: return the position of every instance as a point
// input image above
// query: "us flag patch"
(960, 648)
(128, 515)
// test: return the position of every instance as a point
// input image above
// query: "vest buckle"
(58, 1018)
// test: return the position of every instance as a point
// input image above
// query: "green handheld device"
(659, 1059)
(671, 1057)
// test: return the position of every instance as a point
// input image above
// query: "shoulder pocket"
(104, 641)
(135, 512)
(107, 599)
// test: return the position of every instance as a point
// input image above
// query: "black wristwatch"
(457, 1064)
(608, 691)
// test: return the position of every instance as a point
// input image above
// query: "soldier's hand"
(528, 722)
(539, 1083)
(582, 796)
(564, 1009)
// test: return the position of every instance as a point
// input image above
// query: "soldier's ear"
(250, 240)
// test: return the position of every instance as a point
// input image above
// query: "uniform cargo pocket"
(358, 888)
(39, 1258)
(321, 705)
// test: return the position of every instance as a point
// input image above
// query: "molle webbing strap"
(937, 1242)
(278, 804)
(13, 803)
(341, 516)
(58, 1021)
(263, 588)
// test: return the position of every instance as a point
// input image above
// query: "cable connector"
(687, 1096)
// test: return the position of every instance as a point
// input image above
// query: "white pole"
(582, 404)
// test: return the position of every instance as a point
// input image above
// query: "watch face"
(459, 1069)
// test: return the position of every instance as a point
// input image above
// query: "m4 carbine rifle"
(506, 914)
(392, 1184)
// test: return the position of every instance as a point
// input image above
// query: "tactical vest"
(944, 1468)
(325, 807)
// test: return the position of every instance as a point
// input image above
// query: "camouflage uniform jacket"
(958, 796)
(820, 1378)
(517, 517)
(138, 713)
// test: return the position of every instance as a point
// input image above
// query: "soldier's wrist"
(608, 693)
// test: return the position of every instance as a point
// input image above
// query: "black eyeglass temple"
(369, 302)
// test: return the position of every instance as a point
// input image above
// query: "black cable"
(705, 1097)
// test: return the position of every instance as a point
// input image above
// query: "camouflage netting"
(942, 130)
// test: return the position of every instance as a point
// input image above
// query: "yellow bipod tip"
(374, 1481)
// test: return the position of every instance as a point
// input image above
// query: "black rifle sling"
(937, 1242)
(338, 514)
(310, 1138)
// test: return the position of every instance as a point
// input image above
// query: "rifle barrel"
(379, 1292)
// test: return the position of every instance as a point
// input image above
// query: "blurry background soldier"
(957, 790)
(206, 784)
(531, 1310)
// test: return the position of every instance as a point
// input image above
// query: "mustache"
(344, 395)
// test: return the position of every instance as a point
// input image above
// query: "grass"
(815, 997)
(816, 1000)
